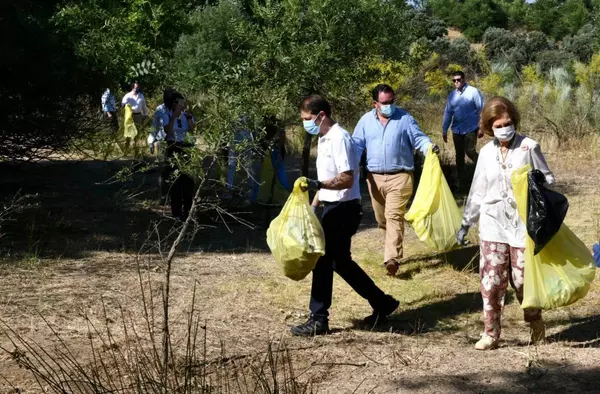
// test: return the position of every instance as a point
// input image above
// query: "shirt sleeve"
(343, 152)
(418, 139)
(124, 100)
(144, 107)
(447, 116)
(539, 163)
(359, 137)
(476, 195)
(478, 99)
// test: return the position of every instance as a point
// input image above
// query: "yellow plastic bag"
(562, 271)
(434, 215)
(128, 123)
(295, 237)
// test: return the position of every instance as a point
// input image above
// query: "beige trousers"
(389, 196)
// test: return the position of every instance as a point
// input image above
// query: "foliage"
(277, 52)
(557, 18)
(583, 44)
(517, 49)
(110, 37)
(473, 17)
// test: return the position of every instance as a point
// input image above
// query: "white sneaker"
(486, 343)
(537, 331)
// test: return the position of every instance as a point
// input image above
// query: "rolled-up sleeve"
(539, 163)
(418, 139)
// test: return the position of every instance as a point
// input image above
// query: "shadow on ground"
(581, 333)
(78, 207)
(542, 379)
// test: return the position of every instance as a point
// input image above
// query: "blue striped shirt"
(391, 147)
(462, 110)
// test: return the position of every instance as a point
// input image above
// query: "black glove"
(435, 149)
(313, 184)
(461, 235)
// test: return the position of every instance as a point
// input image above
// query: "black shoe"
(380, 316)
(311, 328)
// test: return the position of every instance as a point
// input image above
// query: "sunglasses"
(457, 80)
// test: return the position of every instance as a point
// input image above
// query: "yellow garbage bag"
(562, 271)
(128, 123)
(434, 215)
(295, 237)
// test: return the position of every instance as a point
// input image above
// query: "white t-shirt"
(336, 154)
(492, 200)
(138, 104)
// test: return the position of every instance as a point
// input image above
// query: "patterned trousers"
(500, 263)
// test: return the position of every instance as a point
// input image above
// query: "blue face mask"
(388, 110)
(137, 90)
(311, 126)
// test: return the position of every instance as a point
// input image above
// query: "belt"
(391, 172)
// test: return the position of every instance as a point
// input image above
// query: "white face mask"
(504, 134)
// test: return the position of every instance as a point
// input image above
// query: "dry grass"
(247, 304)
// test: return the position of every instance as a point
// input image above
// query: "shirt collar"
(463, 89)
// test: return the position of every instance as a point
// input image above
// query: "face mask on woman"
(504, 134)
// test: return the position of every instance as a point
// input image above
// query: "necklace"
(503, 159)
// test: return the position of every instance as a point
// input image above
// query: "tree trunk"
(306, 154)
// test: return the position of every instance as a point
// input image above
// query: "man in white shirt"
(136, 99)
(338, 190)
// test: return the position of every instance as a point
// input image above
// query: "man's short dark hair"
(381, 88)
(314, 104)
(459, 73)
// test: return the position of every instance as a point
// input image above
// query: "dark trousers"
(465, 144)
(180, 189)
(340, 222)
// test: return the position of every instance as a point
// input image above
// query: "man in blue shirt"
(462, 111)
(390, 135)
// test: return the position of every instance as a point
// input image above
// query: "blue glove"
(461, 235)
(597, 254)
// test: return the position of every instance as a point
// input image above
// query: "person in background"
(390, 135)
(502, 233)
(338, 190)
(158, 128)
(136, 99)
(462, 112)
(178, 123)
(109, 109)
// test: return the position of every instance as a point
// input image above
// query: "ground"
(81, 254)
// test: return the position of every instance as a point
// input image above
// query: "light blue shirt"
(463, 110)
(390, 148)
(180, 129)
(108, 102)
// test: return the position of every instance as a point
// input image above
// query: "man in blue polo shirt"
(462, 112)
(390, 135)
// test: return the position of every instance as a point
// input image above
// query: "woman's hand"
(461, 235)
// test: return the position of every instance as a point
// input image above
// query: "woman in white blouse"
(502, 233)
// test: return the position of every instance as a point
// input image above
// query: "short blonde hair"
(495, 108)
